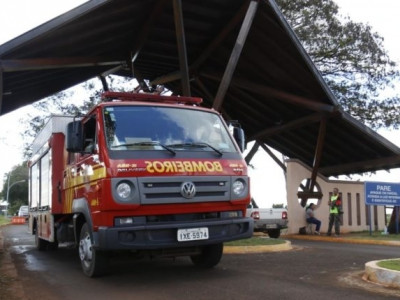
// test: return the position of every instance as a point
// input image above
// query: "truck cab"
(145, 173)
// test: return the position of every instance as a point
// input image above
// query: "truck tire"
(94, 262)
(40, 244)
(53, 245)
(274, 233)
(209, 257)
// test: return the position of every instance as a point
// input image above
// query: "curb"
(341, 240)
(372, 272)
(257, 249)
(386, 277)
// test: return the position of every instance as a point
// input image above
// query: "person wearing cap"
(310, 218)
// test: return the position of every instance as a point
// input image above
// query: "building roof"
(275, 90)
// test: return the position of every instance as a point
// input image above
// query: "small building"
(356, 213)
(3, 207)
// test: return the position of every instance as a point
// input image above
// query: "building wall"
(355, 217)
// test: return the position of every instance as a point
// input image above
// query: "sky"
(268, 184)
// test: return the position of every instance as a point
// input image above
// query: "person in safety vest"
(335, 209)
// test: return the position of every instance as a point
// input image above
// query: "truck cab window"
(138, 128)
(89, 135)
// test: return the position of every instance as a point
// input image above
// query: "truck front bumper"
(165, 235)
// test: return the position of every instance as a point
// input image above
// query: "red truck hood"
(177, 167)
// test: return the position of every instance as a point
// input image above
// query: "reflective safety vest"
(334, 209)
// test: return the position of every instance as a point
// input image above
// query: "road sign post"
(382, 193)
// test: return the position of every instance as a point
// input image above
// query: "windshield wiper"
(153, 143)
(195, 145)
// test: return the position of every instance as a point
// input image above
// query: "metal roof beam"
(247, 100)
(252, 152)
(284, 96)
(318, 153)
(180, 38)
(104, 82)
(145, 30)
(220, 37)
(166, 78)
(267, 92)
(31, 64)
(210, 97)
(208, 50)
(363, 166)
(1, 87)
(273, 156)
(234, 58)
(294, 124)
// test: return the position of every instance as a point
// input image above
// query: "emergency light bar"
(108, 96)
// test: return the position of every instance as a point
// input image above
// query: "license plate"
(192, 234)
(271, 226)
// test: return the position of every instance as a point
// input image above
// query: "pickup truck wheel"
(93, 262)
(274, 233)
(209, 257)
(40, 244)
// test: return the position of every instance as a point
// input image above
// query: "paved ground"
(315, 266)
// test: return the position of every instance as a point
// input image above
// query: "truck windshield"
(166, 129)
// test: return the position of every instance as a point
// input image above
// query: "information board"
(382, 193)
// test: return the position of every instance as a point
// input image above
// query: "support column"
(180, 37)
(237, 50)
(252, 152)
(318, 153)
(273, 156)
(1, 88)
(104, 83)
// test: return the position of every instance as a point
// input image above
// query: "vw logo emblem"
(188, 190)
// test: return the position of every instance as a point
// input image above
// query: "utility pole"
(8, 190)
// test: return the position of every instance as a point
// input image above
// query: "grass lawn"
(392, 264)
(256, 241)
(4, 220)
(376, 235)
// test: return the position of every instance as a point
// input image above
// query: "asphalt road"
(312, 270)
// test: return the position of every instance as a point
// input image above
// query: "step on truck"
(151, 174)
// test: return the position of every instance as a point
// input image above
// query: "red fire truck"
(152, 174)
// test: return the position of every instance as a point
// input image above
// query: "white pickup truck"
(269, 220)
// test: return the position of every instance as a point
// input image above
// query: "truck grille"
(159, 190)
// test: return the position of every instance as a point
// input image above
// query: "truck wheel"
(53, 245)
(274, 233)
(41, 244)
(209, 257)
(93, 262)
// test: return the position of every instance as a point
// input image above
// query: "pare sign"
(382, 193)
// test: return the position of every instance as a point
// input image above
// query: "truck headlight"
(124, 190)
(238, 187)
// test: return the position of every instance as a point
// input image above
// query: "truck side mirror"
(74, 137)
(238, 135)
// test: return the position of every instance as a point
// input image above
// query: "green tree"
(76, 101)
(58, 104)
(350, 57)
(17, 192)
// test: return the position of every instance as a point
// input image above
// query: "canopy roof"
(240, 56)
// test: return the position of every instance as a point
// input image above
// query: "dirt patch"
(355, 279)
(10, 285)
